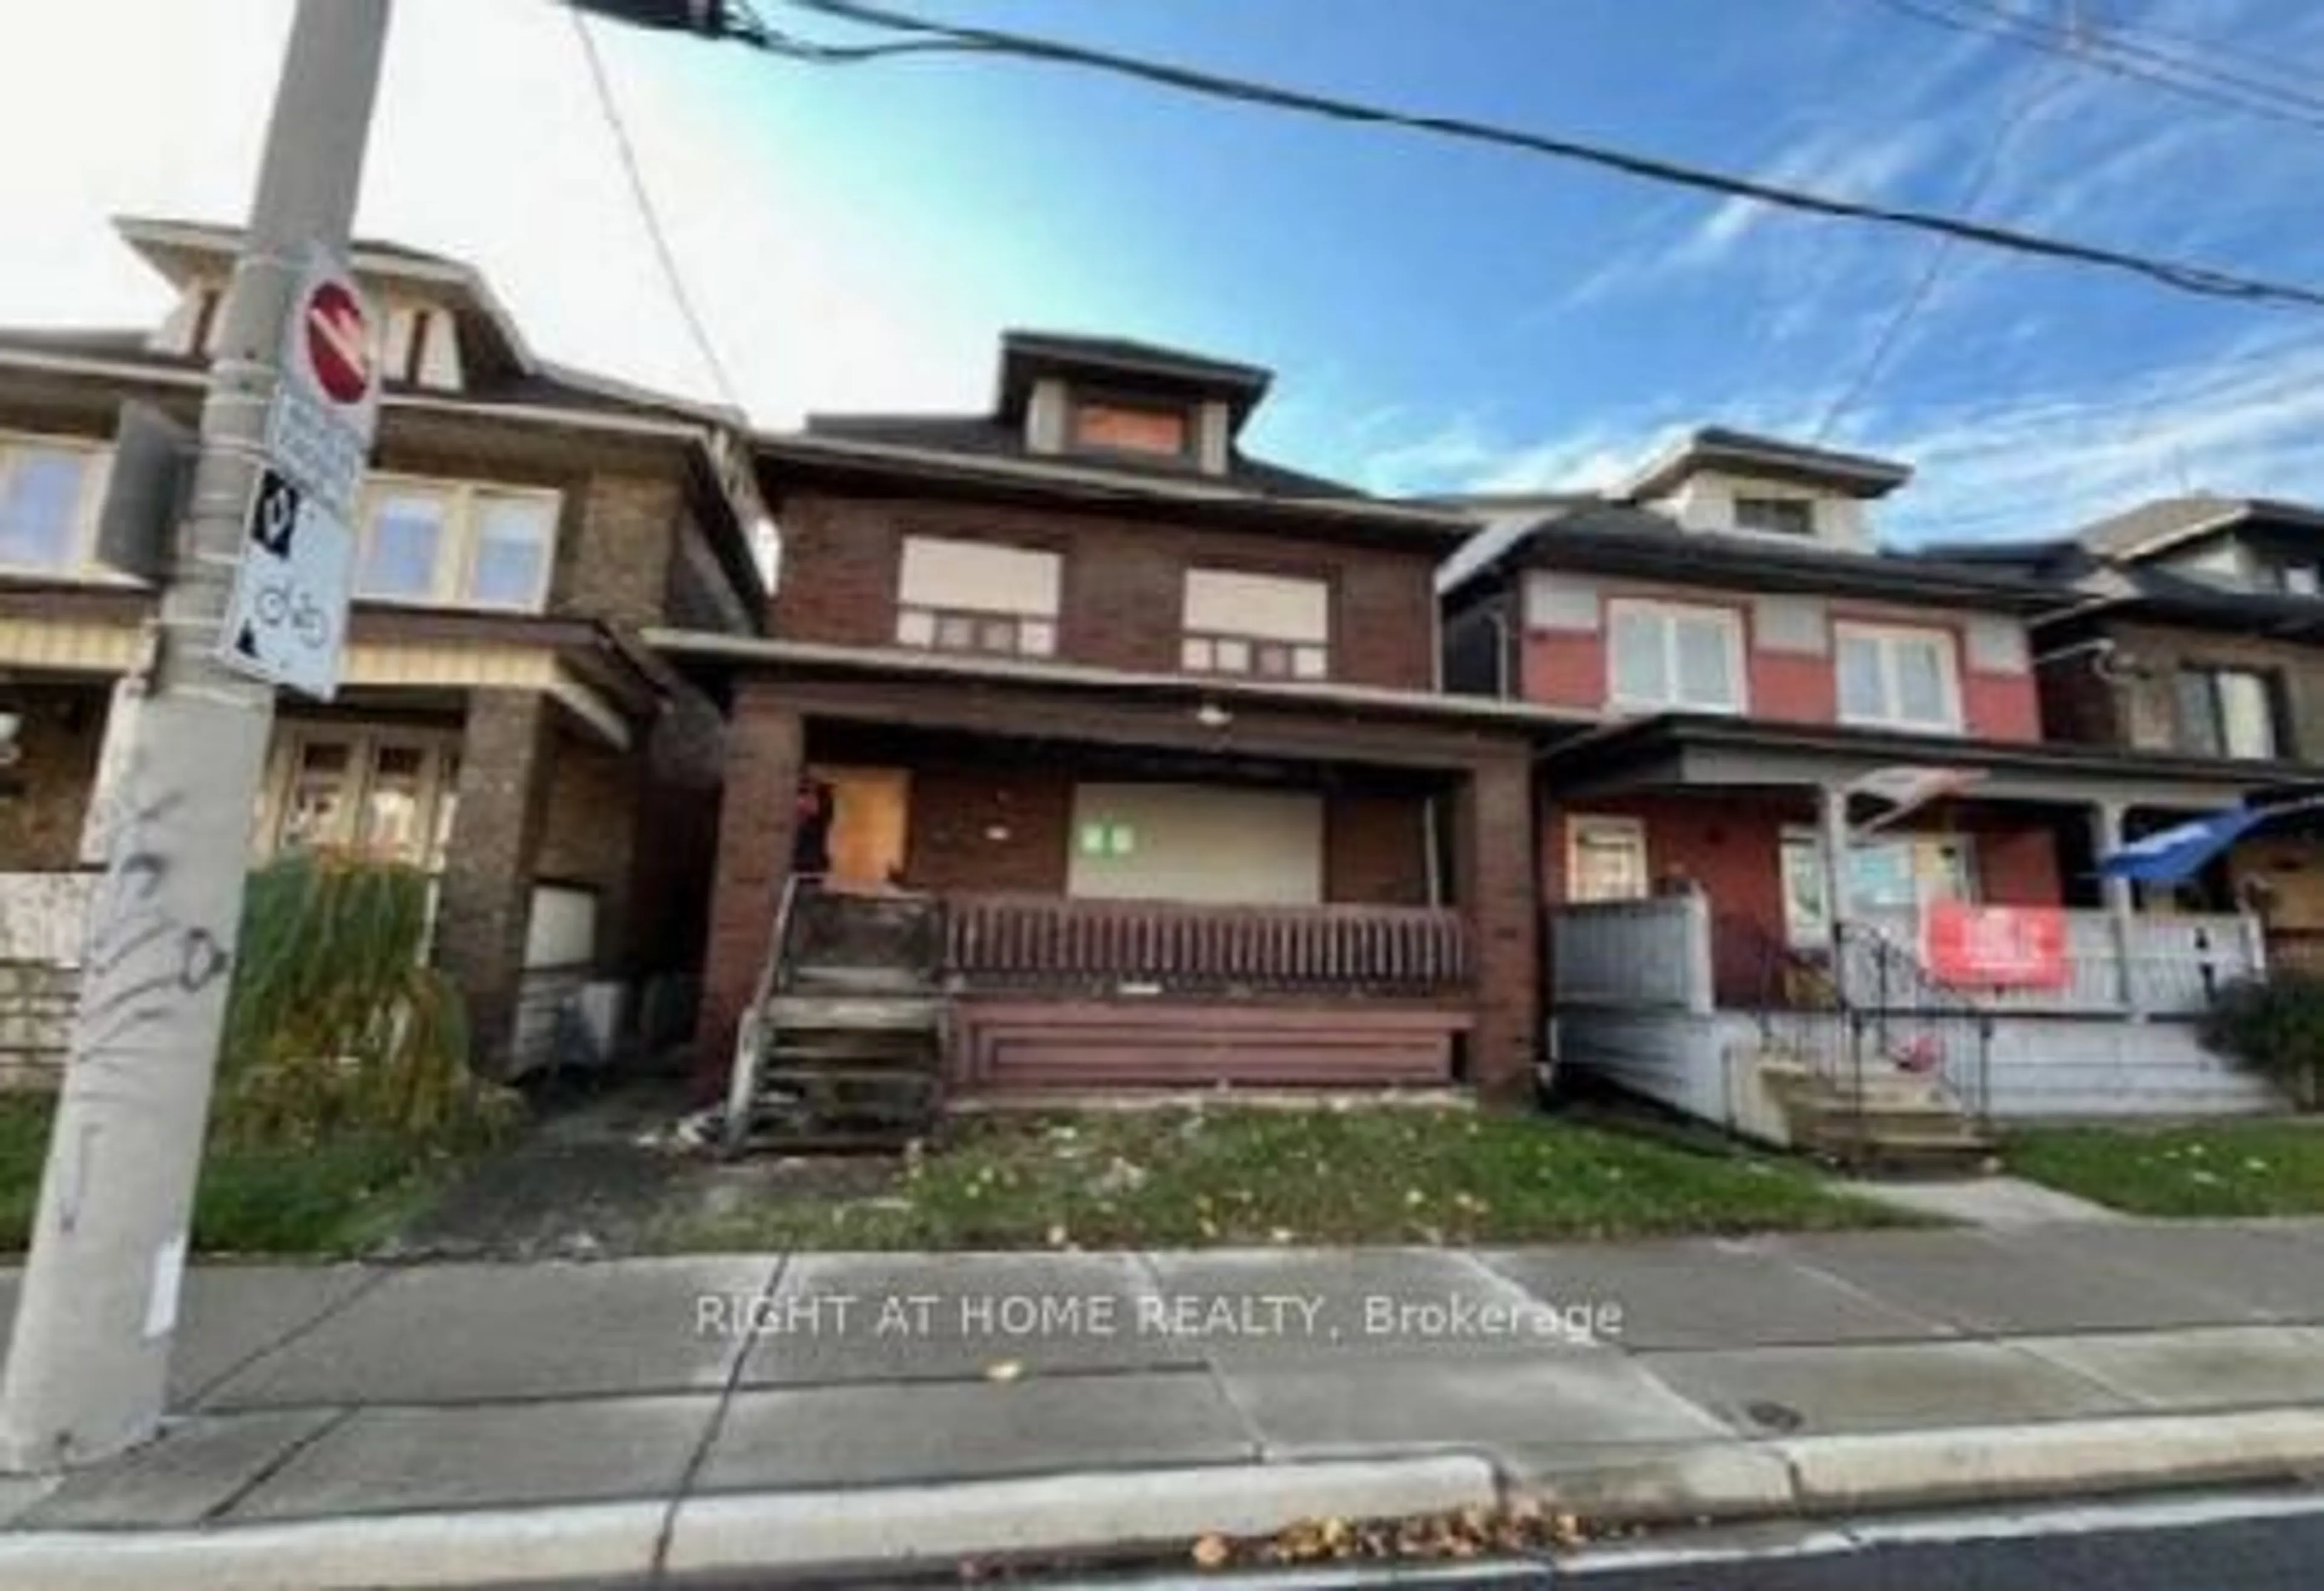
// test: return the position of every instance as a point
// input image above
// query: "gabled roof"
(1026, 356)
(1621, 538)
(2155, 528)
(1745, 453)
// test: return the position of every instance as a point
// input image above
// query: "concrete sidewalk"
(458, 1424)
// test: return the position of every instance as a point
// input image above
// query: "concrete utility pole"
(86, 1371)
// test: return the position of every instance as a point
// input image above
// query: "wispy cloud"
(2243, 419)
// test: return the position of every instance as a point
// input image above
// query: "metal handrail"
(1906, 995)
(742, 1078)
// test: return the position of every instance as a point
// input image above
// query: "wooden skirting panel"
(1014, 1044)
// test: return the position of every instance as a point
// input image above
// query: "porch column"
(2121, 910)
(1832, 836)
(1494, 880)
(766, 748)
(485, 901)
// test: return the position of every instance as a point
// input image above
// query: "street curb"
(506, 1547)
(899, 1527)
(867, 1527)
(890, 1526)
(2108, 1454)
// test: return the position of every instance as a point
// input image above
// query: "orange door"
(870, 822)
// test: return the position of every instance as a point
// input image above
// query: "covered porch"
(507, 758)
(1693, 870)
(1148, 882)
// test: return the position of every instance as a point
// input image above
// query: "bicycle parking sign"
(286, 621)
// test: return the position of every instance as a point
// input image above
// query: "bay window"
(1898, 679)
(1663, 655)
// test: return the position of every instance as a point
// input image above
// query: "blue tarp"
(2178, 853)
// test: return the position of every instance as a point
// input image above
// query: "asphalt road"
(2274, 1542)
(2269, 1543)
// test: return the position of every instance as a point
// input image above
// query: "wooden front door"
(870, 822)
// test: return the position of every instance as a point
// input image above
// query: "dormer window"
(1775, 516)
(1143, 428)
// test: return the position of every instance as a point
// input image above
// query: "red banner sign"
(1995, 947)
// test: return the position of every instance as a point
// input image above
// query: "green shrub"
(2273, 1025)
(336, 1027)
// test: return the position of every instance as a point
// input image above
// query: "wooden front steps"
(845, 1049)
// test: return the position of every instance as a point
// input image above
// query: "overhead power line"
(2113, 53)
(1941, 252)
(672, 277)
(925, 36)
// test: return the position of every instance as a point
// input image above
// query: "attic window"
(1775, 516)
(1150, 430)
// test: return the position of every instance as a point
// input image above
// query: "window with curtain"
(1898, 679)
(2228, 713)
(1662, 655)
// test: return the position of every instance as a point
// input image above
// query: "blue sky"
(1442, 317)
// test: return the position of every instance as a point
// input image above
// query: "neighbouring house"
(500, 724)
(2197, 629)
(1151, 725)
(1792, 713)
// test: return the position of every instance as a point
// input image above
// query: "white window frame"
(1626, 831)
(1886, 638)
(456, 553)
(80, 562)
(1731, 624)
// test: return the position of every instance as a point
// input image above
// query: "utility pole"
(88, 1365)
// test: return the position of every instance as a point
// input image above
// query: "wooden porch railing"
(1023, 942)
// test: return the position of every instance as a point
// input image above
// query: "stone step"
(815, 1084)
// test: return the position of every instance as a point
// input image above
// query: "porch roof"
(1068, 700)
(1679, 749)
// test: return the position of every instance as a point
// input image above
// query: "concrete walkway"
(656, 1410)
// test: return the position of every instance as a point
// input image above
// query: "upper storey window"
(1775, 516)
(1898, 679)
(1140, 429)
(452, 544)
(977, 596)
(1274, 626)
(47, 503)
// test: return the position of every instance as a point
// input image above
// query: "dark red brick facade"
(1122, 587)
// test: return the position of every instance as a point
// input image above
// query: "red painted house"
(1784, 707)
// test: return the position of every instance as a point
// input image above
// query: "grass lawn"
(1196, 1177)
(329, 1200)
(2235, 1168)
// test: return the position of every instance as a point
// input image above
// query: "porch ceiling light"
(12, 725)
(1210, 715)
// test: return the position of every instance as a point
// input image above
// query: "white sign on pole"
(286, 621)
(326, 408)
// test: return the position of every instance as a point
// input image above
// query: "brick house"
(1157, 722)
(2199, 631)
(500, 723)
(1791, 715)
